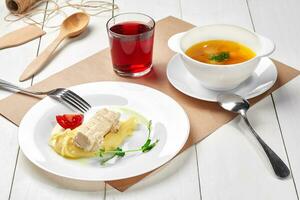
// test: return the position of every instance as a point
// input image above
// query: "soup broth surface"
(221, 52)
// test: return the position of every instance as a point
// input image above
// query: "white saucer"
(262, 79)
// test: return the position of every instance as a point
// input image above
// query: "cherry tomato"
(70, 121)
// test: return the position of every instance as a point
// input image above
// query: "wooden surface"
(21, 36)
(229, 164)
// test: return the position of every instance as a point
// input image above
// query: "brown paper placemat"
(205, 117)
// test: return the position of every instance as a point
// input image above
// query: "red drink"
(131, 45)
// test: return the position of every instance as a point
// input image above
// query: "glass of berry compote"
(131, 43)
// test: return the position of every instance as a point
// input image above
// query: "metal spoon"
(72, 26)
(237, 104)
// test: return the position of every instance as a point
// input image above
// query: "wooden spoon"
(72, 26)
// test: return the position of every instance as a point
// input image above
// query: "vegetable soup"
(220, 52)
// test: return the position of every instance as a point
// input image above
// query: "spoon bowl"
(238, 104)
(233, 103)
(75, 24)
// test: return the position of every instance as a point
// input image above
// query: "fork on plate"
(62, 95)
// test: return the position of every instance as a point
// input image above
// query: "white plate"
(170, 126)
(262, 79)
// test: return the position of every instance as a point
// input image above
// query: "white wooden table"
(229, 164)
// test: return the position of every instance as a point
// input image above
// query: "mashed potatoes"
(63, 142)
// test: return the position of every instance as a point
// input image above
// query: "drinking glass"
(131, 43)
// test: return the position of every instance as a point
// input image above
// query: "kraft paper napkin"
(205, 117)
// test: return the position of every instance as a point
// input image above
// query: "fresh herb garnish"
(220, 57)
(119, 152)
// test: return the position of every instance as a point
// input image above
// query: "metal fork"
(62, 95)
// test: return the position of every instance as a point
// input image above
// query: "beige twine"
(28, 10)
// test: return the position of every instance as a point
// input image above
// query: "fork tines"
(75, 101)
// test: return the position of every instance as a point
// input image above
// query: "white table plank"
(287, 101)
(278, 20)
(13, 60)
(32, 183)
(279, 23)
(229, 165)
(201, 12)
(232, 165)
(12, 64)
(8, 154)
(177, 180)
(155, 8)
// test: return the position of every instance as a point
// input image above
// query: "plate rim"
(175, 153)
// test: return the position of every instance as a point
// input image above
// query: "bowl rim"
(215, 65)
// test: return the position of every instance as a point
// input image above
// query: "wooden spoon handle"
(40, 62)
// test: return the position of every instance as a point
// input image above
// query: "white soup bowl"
(221, 77)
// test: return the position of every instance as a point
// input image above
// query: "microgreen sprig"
(119, 152)
(220, 57)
